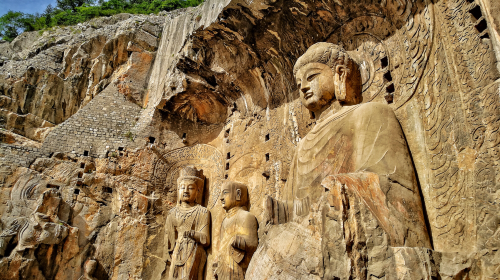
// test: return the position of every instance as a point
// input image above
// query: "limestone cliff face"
(97, 120)
(46, 77)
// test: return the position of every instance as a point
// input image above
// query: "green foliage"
(129, 135)
(71, 12)
(72, 4)
(10, 24)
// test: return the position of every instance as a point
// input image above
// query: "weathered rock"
(60, 71)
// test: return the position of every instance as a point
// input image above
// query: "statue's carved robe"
(363, 148)
(233, 262)
(188, 257)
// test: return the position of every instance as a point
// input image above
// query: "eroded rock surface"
(48, 76)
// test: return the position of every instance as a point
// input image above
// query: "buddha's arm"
(380, 147)
(169, 239)
(202, 235)
(247, 238)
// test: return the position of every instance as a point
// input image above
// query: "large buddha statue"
(188, 228)
(355, 149)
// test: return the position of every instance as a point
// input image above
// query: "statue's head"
(190, 185)
(233, 195)
(324, 73)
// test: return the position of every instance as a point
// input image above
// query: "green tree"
(10, 25)
(72, 4)
(49, 11)
(69, 12)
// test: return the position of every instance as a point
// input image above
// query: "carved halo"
(203, 157)
(392, 50)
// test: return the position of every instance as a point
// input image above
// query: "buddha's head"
(233, 195)
(325, 73)
(190, 185)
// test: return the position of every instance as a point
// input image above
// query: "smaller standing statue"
(238, 234)
(188, 228)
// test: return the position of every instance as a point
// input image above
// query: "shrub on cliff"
(70, 12)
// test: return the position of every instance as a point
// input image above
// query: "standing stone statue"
(238, 234)
(188, 228)
(359, 154)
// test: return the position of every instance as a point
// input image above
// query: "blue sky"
(25, 6)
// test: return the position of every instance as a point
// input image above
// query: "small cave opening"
(151, 140)
(267, 137)
(476, 12)
(51, 186)
(227, 166)
(481, 26)
(228, 156)
(108, 190)
(388, 76)
(267, 157)
(80, 174)
(76, 191)
(390, 88)
(82, 165)
(85, 153)
(384, 62)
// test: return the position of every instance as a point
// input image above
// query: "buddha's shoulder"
(373, 109)
(202, 209)
(244, 215)
(197, 208)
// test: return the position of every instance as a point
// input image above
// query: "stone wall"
(100, 128)
(20, 155)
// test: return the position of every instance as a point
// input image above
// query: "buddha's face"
(227, 197)
(188, 190)
(316, 85)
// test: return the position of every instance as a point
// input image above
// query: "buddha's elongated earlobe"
(340, 79)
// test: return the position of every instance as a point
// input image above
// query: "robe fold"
(364, 148)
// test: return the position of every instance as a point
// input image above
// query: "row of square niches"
(76, 190)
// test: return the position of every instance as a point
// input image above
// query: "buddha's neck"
(327, 110)
(231, 212)
(187, 205)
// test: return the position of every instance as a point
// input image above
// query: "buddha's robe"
(363, 148)
(232, 262)
(188, 257)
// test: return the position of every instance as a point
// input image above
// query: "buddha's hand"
(215, 266)
(196, 236)
(191, 234)
(239, 242)
(334, 189)
(332, 182)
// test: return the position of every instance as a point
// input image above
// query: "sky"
(25, 6)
